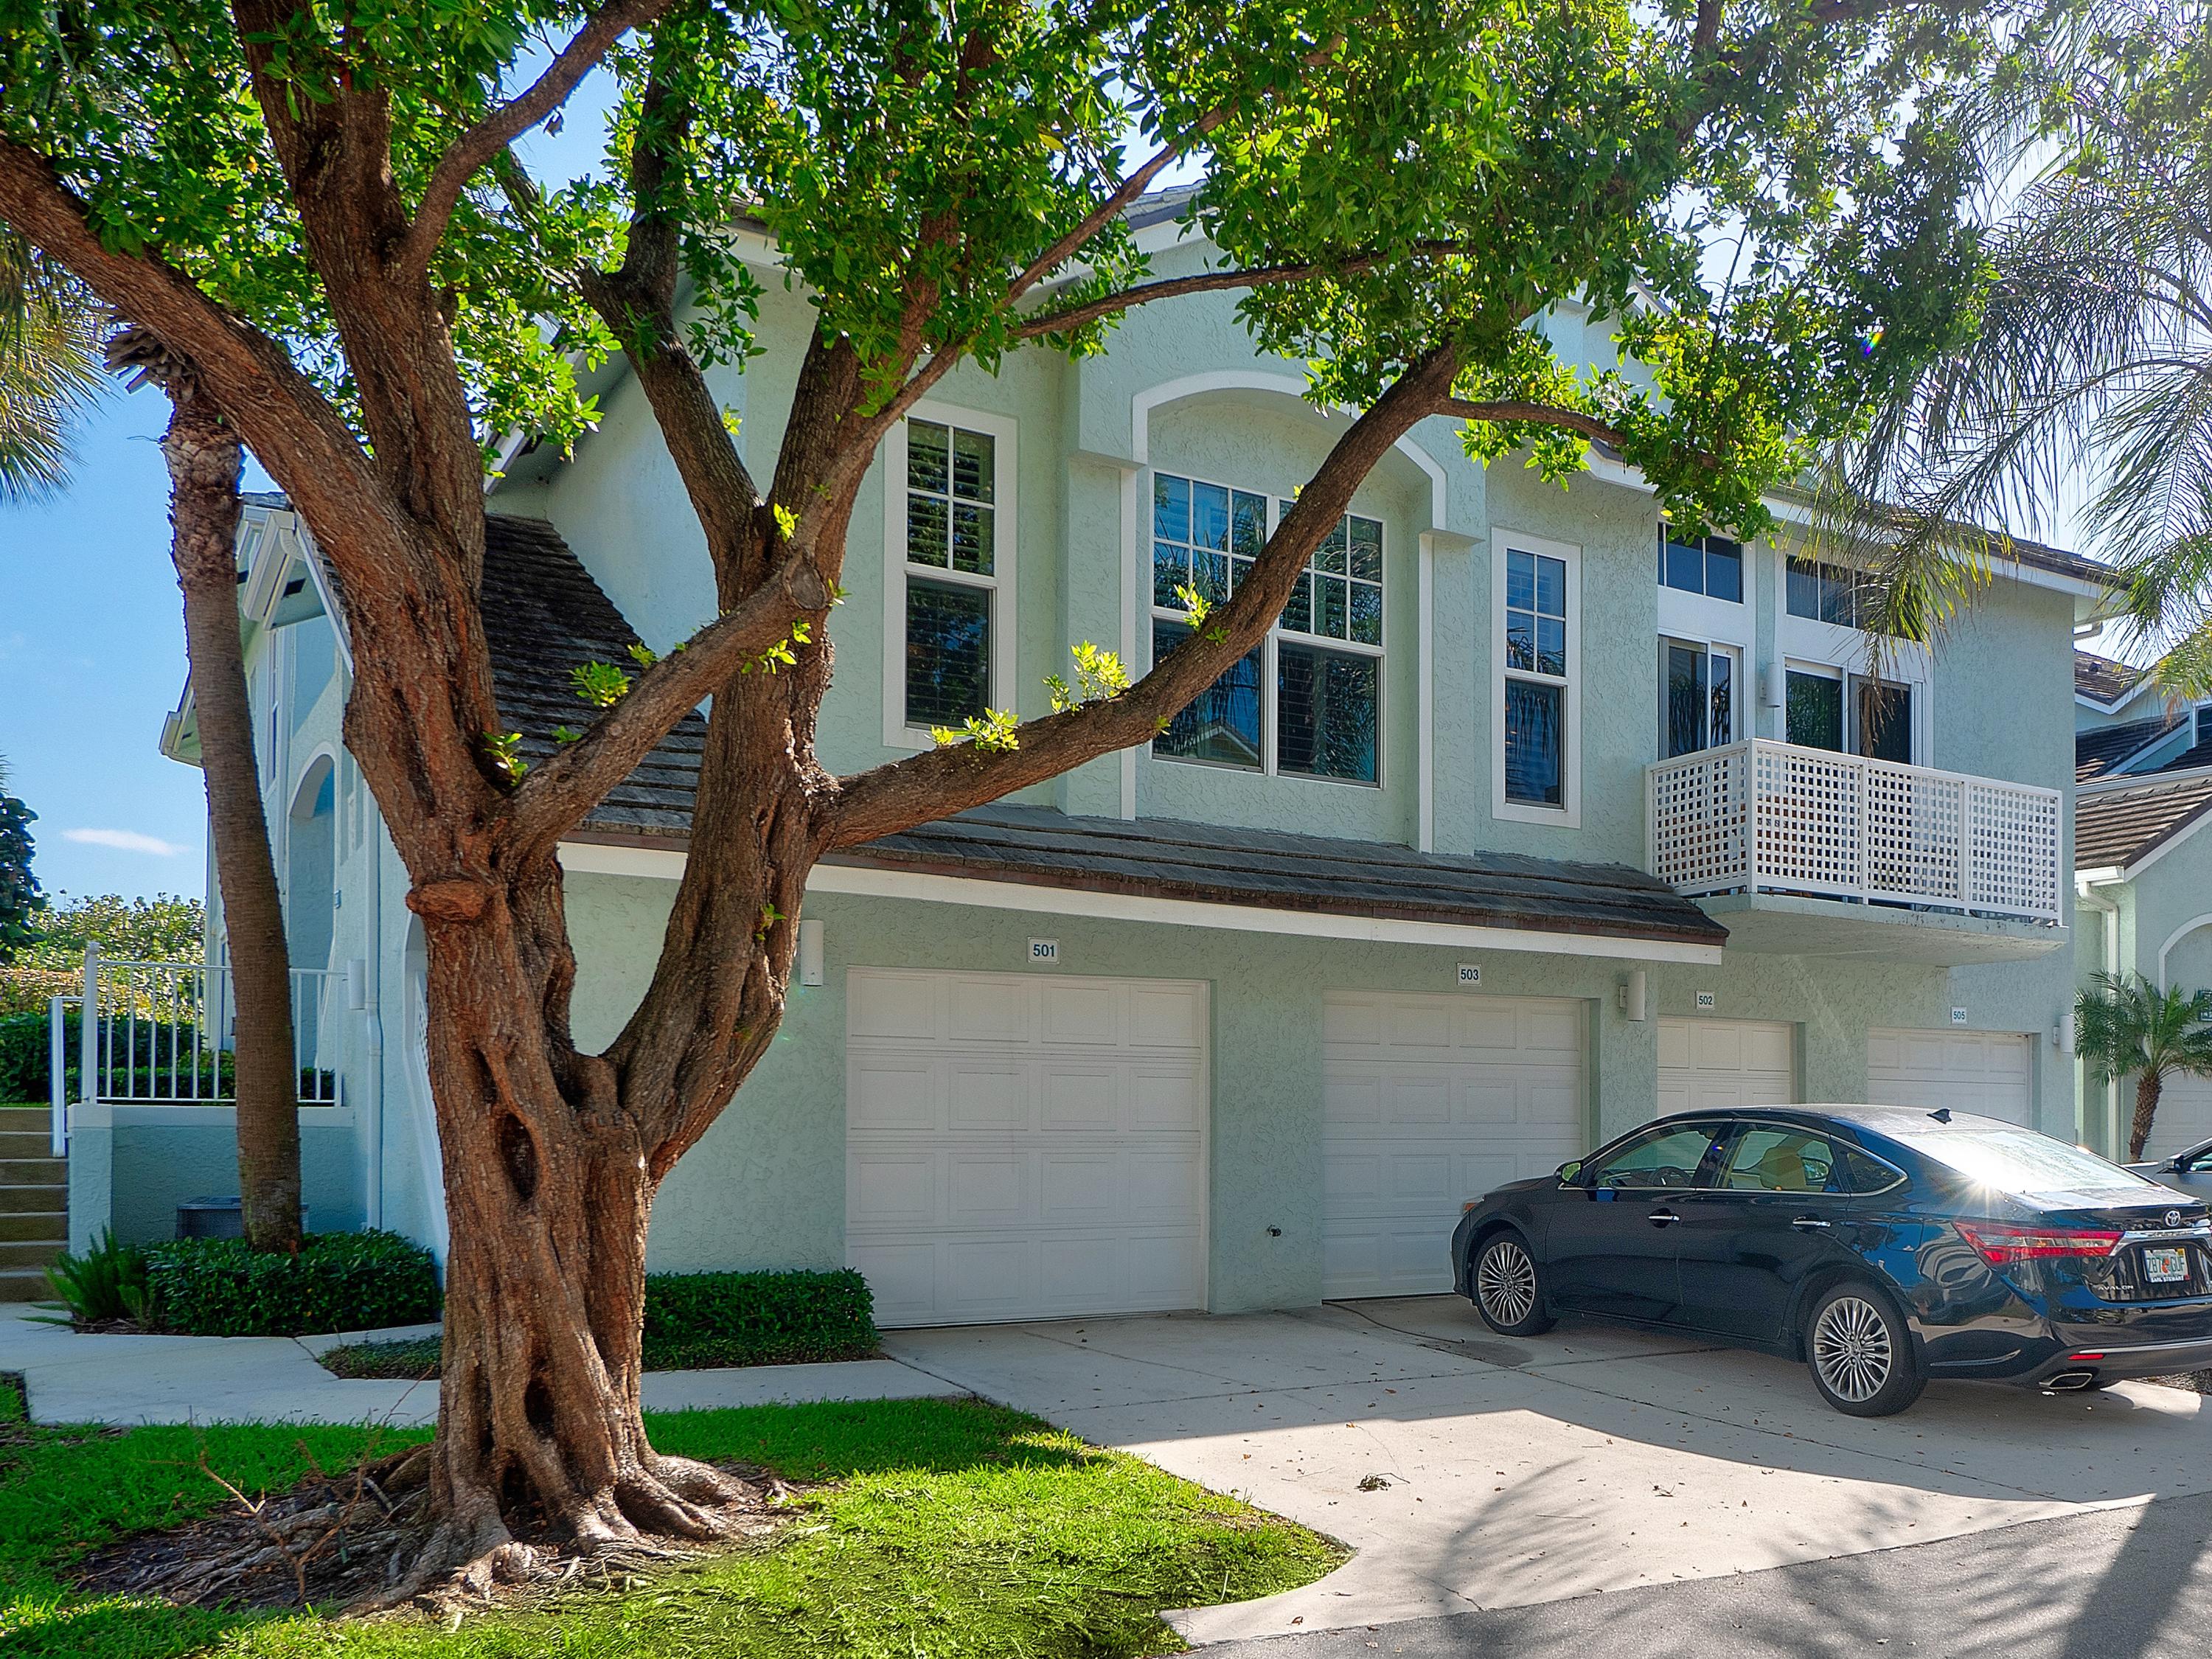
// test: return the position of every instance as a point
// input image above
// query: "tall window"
(1536, 678)
(1711, 565)
(1316, 684)
(952, 571)
(1697, 696)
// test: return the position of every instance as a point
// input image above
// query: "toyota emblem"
(2173, 1217)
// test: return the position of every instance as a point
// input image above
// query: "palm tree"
(49, 369)
(2124, 1023)
(2089, 370)
(205, 460)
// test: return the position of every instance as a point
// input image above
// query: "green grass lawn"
(953, 1529)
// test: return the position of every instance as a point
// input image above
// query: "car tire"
(1860, 1350)
(1507, 1288)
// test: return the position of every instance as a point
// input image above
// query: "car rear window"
(2018, 1160)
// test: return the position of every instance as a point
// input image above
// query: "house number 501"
(1044, 950)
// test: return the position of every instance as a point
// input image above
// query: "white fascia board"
(593, 858)
(2112, 785)
(2167, 846)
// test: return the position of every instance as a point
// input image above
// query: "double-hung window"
(1538, 644)
(1308, 700)
(948, 548)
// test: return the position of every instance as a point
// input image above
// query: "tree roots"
(366, 1541)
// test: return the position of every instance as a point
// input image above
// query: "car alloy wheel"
(1851, 1349)
(1505, 1283)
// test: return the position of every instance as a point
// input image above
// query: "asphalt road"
(2125, 1584)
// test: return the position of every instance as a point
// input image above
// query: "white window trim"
(1707, 644)
(1690, 617)
(1002, 429)
(1568, 814)
(1924, 722)
(1277, 633)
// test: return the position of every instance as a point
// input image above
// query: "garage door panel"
(977, 1010)
(1724, 1064)
(1081, 1098)
(2183, 1116)
(1986, 1072)
(1166, 1100)
(1490, 1100)
(1165, 1020)
(1430, 1100)
(1001, 1160)
(980, 1095)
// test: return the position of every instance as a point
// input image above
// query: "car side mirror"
(1570, 1172)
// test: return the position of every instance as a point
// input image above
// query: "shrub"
(698, 1321)
(337, 1282)
(108, 1282)
(695, 1321)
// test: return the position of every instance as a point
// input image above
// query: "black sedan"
(1884, 1245)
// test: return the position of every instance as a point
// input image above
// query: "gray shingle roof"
(2103, 678)
(2098, 750)
(544, 616)
(1207, 863)
(2118, 826)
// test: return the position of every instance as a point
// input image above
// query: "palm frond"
(49, 370)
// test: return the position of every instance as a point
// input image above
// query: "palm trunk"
(205, 460)
(2148, 1086)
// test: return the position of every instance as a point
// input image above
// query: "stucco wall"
(766, 1186)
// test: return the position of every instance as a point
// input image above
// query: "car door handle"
(1806, 1224)
(1663, 1218)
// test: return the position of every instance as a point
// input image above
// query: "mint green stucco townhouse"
(1526, 823)
(2142, 870)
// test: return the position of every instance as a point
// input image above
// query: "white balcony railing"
(1770, 817)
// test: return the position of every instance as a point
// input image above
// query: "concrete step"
(27, 1143)
(24, 1285)
(33, 1198)
(31, 1254)
(25, 1120)
(33, 1172)
(35, 1226)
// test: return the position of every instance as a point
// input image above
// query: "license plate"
(2166, 1264)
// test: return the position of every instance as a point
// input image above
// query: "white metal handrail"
(159, 1033)
(1764, 816)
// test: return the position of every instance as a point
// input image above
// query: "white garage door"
(1981, 1072)
(1430, 1100)
(2183, 1117)
(1725, 1064)
(1024, 1146)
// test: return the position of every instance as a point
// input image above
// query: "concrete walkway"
(73, 1378)
(1472, 1473)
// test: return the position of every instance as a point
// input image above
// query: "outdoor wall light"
(1635, 994)
(810, 952)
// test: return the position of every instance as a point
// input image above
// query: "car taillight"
(2001, 1245)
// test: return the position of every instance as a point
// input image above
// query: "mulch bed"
(346, 1541)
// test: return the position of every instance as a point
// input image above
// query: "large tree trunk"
(550, 1180)
(205, 460)
(2149, 1087)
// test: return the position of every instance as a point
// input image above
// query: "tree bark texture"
(205, 460)
(2149, 1087)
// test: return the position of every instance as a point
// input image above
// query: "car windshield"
(2020, 1160)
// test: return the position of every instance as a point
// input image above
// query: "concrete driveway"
(1469, 1472)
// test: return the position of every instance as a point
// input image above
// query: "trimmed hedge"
(337, 1282)
(699, 1322)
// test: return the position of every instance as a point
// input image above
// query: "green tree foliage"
(18, 888)
(49, 368)
(163, 928)
(2085, 373)
(2126, 1026)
